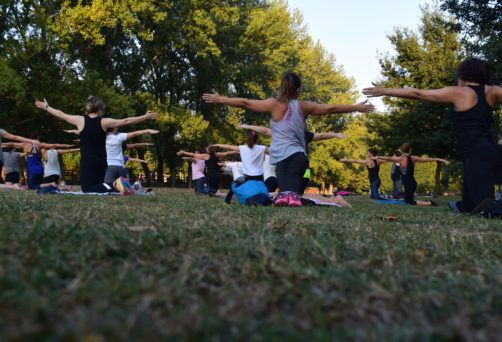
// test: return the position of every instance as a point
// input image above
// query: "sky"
(355, 31)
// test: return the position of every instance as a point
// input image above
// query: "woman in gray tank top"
(287, 123)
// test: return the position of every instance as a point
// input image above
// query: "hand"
(343, 160)
(36, 142)
(42, 104)
(152, 115)
(153, 131)
(365, 107)
(444, 161)
(212, 98)
(67, 146)
(243, 126)
(376, 91)
(340, 136)
(180, 153)
(71, 131)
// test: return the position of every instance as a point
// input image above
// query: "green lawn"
(181, 266)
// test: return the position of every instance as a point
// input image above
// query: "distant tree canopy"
(163, 55)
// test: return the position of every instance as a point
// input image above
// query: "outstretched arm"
(72, 131)
(226, 154)
(191, 160)
(327, 136)
(444, 95)
(258, 129)
(136, 160)
(73, 150)
(142, 132)
(428, 160)
(49, 146)
(75, 120)
(116, 123)
(388, 159)
(13, 144)
(204, 156)
(228, 147)
(8, 136)
(139, 145)
(260, 106)
(354, 161)
(312, 108)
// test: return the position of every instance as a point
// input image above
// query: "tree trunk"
(437, 184)
(146, 170)
(172, 179)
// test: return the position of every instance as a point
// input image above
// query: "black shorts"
(12, 177)
(51, 179)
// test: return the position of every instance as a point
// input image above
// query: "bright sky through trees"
(355, 31)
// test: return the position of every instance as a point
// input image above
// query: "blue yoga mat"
(391, 201)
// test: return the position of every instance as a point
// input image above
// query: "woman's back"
(93, 140)
(288, 136)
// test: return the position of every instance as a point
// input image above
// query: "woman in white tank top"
(287, 123)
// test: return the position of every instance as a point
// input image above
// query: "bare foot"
(342, 202)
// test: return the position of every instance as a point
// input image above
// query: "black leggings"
(92, 177)
(213, 183)
(290, 172)
(410, 186)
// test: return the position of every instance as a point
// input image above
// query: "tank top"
(93, 141)
(373, 172)
(409, 171)
(11, 162)
(288, 135)
(34, 162)
(51, 165)
(473, 126)
(212, 164)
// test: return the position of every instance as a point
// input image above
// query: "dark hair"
(124, 146)
(290, 86)
(406, 148)
(373, 151)
(94, 105)
(253, 135)
(35, 134)
(397, 153)
(476, 70)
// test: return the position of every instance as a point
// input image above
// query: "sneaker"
(281, 200)
(123, 186)
(294, 200)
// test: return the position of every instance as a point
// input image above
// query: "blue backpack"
(251, 193)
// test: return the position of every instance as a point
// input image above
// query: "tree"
(424, 59)
(481, 23)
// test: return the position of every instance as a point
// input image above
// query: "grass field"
(180, 266)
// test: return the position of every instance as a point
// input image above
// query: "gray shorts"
(113, 172)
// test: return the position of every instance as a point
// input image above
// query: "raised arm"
(327, 136)
(228, 147)
(428, 160)
(203, 156)
(444, 95)
(312, 108)
(8, 136)
(260, 106)
(354, 161)
(258, 129)
(75, 120)
(135, 134)
(116, 123)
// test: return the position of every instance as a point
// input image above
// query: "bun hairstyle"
(94, 105)
(406, 148)
(476, 70)
(290, 87)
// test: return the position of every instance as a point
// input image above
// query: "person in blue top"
(472, 102)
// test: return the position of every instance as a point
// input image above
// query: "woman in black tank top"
(472, 103)
(92, 129)
(407, 165)
(213, 171)
(373, 167)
